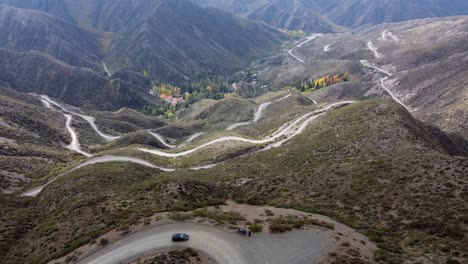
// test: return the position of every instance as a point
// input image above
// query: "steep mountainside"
(360, 12)
(180, 39)
(35, 72)
(325, 15)
(171, 39)
(291, 14)
(25, 30)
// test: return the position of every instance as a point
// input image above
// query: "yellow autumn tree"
(187, 96)
(146, 74)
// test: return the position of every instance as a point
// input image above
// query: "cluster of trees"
(204, 88)
(171, 104)
(294, 34)
(167, 110)
(249, 86)
(209, 88)
(164, 89)
(327, 80)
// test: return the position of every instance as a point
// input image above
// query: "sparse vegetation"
(180, 216)
(287, 223)
(103, 241)
(185, 256)
(339, 179)
(371, 165)
(327, 80)
(279, 228)
(219, 216)
(256, 228)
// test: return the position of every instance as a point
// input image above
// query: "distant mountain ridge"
(291, 14)
(332, 15)
(353, 13)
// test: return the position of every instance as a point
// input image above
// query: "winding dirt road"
(394, 97)
(308, 39)
(75, 144)
(367, 64)
(284, 134)
(382, 82)
(161, 139)
(258, 114)
(295, 247)
(292, 128)
(388, 36)
(102, 159)
(91, 120)
(374, 49)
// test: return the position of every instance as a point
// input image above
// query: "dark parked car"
(180, 237)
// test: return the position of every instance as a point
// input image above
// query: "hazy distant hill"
(360, 12)
(290, 14)
(325, 15)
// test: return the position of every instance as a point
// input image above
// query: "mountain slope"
(424, 64)
(170, 39)
(26, 30)
(180, 39)
(354, 13)
(35, 72)
(369, 165)
(292, 14)
(327, 16)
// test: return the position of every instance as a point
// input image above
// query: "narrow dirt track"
(296, 247)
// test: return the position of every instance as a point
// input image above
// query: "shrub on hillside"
(279, 228)
(103, 242)
(256, 228)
